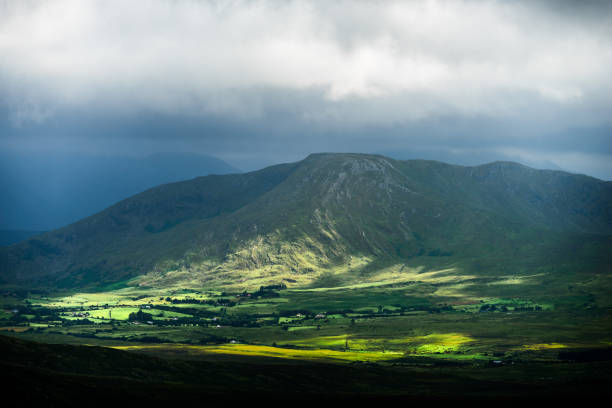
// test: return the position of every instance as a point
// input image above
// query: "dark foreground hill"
(330, 220)
(66, 375)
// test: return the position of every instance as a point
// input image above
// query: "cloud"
(190, 57)
(269, 81)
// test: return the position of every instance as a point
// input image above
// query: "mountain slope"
(43, 191)
(10, 237)
(330, 219)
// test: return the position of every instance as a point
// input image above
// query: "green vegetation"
(375, 323)
(78, 375)
(333, 220)
(343, 259)
(461, 324)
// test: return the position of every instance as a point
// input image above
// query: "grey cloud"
(257, 82)
(193, 57)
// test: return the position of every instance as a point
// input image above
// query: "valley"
(407, 341)
(433, 315)
(448, 276)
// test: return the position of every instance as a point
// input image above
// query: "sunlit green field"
(430, 316)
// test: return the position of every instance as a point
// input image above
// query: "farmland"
(422, 333)
(382, 324)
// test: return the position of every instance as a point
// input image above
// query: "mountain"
(467, 158)
(10, 237)
(43, 191)
(330, 220)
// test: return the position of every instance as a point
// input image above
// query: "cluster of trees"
(140, 297)
(239, 321)
(140, 316)
(269, 291)
(211, 302)
(528, 308)
(279, 286)
(493, 308)
(76, 322)
(428, 308)
(265, 293)
(504, 308)
(37, 314)
(187, 310)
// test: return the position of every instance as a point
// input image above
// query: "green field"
(398, 322)
(426, 333)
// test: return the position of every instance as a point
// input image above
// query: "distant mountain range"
(330, 220)
(467, 158)
(42, 191)
(10, 237)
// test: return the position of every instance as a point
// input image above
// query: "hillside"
(10, 237)
(70, 375)
(44, 191)
(330, 220)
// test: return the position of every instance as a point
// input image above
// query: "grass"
(545, 346)
(188, 374)
(440, 314)
(275, 352)
(461, 280)
(296, 328)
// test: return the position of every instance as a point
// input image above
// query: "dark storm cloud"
(583, 11)
(257, 82)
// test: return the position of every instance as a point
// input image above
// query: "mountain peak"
(300, 220)
(329, 156)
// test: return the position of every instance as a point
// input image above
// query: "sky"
(261, 82)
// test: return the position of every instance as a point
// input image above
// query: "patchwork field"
(427, 317)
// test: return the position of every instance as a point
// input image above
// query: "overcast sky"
(261, 82)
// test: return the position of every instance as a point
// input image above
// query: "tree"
(140, 316)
